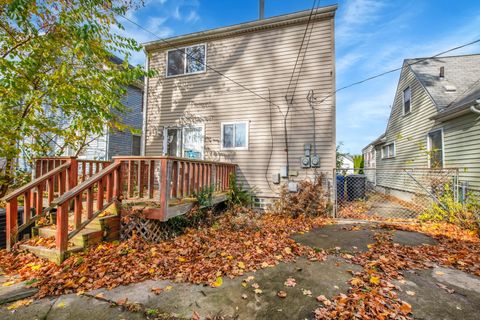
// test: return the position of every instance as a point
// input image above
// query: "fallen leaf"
(281, 294)
(217, 282)
(258, 291)
(244, 296)
(374, 280)
(241, 265)
(290, 282)
(410, 293)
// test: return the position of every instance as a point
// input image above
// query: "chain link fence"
(391, 193)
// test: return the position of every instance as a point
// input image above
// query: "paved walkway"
(234, 299)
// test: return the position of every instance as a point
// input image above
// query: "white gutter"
(144, 106)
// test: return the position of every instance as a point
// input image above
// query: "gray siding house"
(435, 118)
(115, 142)
(196, 111)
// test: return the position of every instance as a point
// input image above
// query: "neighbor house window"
(435, 148)
(136, 142)
(187, 60)
(388, 151)
(235, 135)
(407, 99)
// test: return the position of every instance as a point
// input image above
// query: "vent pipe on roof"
(442, 73)
(262, 9)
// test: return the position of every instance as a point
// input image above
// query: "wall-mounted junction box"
(284, 172)
(276, 178)
(292, 186)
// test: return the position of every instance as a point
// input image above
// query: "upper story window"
(435, 149)
(407, 99)
(235, 135)
(187, 60)
(388, 151)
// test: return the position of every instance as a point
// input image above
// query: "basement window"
(407, 98)
(186, 60)
(388, 151)
(235, 135)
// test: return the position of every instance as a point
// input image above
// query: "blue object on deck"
(340, 188)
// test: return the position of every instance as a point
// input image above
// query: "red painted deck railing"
(37, 194)
(99, 184)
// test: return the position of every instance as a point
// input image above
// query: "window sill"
(185, 74)
(234, 149)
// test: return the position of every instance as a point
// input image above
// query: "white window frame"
(429, 147)
(403, 100)
(197, 125)
(185, 61)
(247, 132)
(182, 142)
(394, 150)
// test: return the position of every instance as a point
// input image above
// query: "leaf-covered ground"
(235, 244)
(372, 294)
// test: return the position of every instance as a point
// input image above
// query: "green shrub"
(465, 215)
(236, 195)
(205, 196)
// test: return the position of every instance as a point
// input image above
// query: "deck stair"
(86, 197)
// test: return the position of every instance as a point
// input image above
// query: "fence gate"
(391, 193)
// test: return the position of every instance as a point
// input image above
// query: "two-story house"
(233, 94)
(435, 118)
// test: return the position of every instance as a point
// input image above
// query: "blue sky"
(372, 36)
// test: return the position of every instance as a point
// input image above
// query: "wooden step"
(84, 238)
(49, 253)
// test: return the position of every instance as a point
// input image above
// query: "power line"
(300, 51)
(322, 100)
(397, 69)
(198, 60)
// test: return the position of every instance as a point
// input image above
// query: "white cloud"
(192, 17)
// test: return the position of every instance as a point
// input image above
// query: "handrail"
(146, 158)
(72, 193)
(18, 192)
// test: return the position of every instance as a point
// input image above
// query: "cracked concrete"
(429, 300)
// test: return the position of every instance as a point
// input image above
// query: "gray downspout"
(474, 109)
(144, 120)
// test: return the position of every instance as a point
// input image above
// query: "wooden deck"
(81, 190)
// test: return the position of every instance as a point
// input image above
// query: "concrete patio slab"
(14, 291)
(428, 293)
(328, 278)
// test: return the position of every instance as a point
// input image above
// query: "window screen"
(235, 135)
(435, 149)
(136, 142)
(186, 60)
(407, 97)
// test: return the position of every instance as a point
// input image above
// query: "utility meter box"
(315, 161)
(305, 162)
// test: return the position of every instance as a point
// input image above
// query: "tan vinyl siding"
(263, 61)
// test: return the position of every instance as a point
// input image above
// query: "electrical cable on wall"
(276, 105)
(289, 103)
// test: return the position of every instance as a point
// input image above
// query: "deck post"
(62, 230)
(165, 178)
(12, 220)
(117, 187)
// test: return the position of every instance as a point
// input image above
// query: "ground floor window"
(388, 151)
(435, 149)
(186, 141)
(235, 135)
